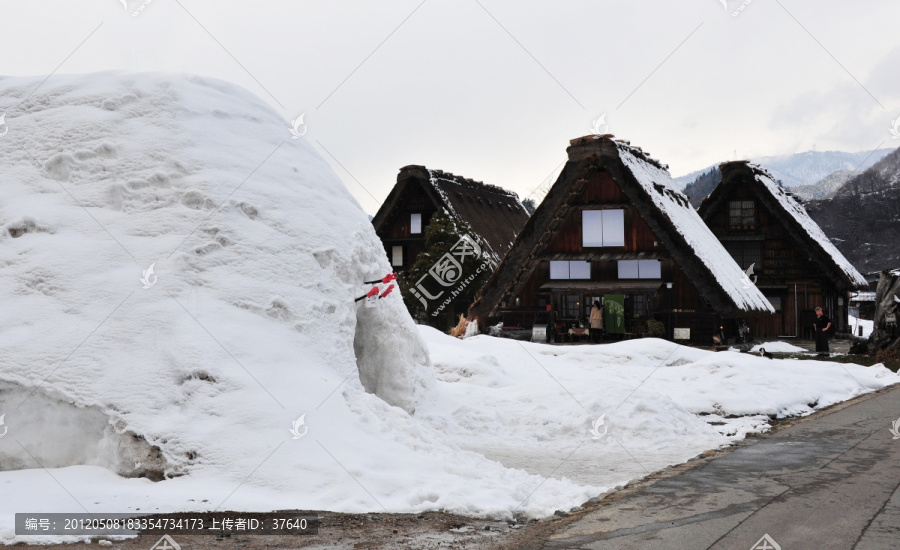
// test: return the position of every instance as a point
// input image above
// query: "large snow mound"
(258, 253)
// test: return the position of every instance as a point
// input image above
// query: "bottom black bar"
(250, 523)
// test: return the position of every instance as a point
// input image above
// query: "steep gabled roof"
(788, 209)
(666, 211)
(496, 214)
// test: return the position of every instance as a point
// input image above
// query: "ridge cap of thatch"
(440, 175)
(495, 214)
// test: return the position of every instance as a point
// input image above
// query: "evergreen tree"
(529, 205)
(698, 189)
(441, 235)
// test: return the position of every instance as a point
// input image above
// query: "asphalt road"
(831, 481)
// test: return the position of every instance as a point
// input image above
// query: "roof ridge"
(435, 174)
(641, 154)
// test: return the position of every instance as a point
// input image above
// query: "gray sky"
(494, 89)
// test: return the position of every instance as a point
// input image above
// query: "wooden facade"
(768, 229)
(395, 227)
(671, 284)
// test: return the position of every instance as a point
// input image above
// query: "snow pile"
(778, 347)
(675, 205)
(796, 210)
(533, 406)
(248, 324)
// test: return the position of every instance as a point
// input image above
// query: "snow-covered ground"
(533, 406)
(250, 327)
(778, 347)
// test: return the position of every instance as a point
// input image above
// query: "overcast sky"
(494, 89)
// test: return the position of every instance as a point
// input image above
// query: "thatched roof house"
(494, 213)
(689, 279)
(797, 266)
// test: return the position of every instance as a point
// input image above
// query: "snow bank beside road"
(532, 406)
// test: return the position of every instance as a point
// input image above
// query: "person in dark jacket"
(822, 328)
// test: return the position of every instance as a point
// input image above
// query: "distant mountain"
(682, 181)
(882, 176)
(803, 168)
(826, 188)
(863, 217)
(698, 189)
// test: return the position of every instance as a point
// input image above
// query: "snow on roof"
(793, 207)
(864, 296)
(656, 181)
(494, 213)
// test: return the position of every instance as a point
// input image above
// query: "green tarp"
(614, 313)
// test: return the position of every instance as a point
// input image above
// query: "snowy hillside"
(863, 216)
(826, 187)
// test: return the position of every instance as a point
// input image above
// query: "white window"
(649, 269)
(559, 270)
(415, 223)
(613, 227)
(580, 270)
(639, 269)
(602, 228)
(628, 269)
(591, 228)
(570, 270)
(397, 256)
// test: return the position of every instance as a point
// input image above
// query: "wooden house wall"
(603, 192)
(782, 265)
(396, 229)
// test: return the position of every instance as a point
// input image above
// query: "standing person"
(822, 328)
(596, 321)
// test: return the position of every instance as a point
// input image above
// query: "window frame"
(415, 220)
(568, 270)
(742, 215)
(611, 225)
(395, 249)
(656, 273)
